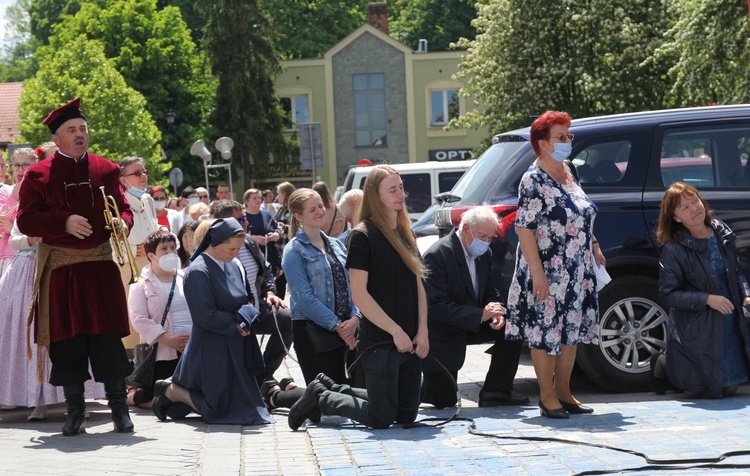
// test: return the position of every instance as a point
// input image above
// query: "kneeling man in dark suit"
(465, 308)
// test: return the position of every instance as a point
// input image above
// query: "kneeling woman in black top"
(386, 279)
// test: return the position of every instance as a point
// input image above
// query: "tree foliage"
(440, 22)
(710, 46)
(243, 60)
(309, 28)
(119, 123)
(585, 57)
(45, 14)
(17, 61)
(153, 51)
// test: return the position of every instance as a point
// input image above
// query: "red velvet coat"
(85, 298)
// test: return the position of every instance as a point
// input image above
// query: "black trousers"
(275, 352)
(439, 390)
(331, 363)
(71, 358)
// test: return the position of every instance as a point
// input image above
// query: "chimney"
(422, 48)
(377, 15)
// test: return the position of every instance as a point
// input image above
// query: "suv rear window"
(492, 175)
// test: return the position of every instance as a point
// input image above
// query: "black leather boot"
(76, 421)
(117, 396)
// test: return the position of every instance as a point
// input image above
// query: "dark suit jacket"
(454, 309)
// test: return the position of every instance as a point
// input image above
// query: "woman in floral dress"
(552, 303)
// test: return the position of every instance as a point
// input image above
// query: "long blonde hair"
(372, 208)
(296, 204)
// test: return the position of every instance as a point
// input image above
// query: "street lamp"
(171, 117)
(224, 146)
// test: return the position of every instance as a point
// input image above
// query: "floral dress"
(561, 217)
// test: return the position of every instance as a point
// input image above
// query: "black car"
(625, 162)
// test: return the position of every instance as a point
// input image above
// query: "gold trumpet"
(113, 223)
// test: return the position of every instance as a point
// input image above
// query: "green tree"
(710, 46)
(153, 51)
(17, 60)
(440, 22)
(45, 14)
(309, 28)
(118, 120)
(587, 58)
(243, 60)
(195, 20)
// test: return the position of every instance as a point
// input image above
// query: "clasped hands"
(495, 313)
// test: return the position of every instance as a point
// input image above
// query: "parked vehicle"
(422, 181)
(625, 162)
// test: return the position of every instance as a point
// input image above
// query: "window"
(369, 110)
(444, 106)
(447, 180)
(418, 192)
(296, 111)
(708, 156)
(603, 162)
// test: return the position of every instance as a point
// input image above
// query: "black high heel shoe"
(575, 408)
(557, 413)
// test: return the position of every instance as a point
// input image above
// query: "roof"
(10, 96)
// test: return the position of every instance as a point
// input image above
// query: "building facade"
(377, 99)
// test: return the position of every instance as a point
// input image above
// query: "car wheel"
(632, 327)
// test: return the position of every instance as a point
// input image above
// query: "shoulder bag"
(145, 354)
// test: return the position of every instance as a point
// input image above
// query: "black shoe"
(557, 413)
(575, 408)
(327, 381)
(501, 398)
(161, 403)
(267, 391)
(307, 406)
(117, 400)
(75, 424)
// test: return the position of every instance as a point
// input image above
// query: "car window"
(604, 161)
(496, 173)
(706, 156)
(417, 187)
(446, 180)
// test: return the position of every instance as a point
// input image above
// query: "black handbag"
(145, 354)
(322, 340)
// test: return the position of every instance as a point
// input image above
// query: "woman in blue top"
(320, 291)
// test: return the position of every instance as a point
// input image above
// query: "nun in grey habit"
(216, 374)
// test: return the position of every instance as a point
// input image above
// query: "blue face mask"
(562, 151)
(137, 191)
(477, 247)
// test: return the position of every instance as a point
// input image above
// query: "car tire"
(632, 327)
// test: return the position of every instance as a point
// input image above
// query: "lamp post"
(224, 146)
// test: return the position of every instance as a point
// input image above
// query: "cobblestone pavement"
(509, 440)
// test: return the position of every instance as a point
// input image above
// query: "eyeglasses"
(20, 166)
(138, 173)
(562, 137)
(199, 196)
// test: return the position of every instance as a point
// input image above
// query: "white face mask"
(160, 204)
(169, 262)
(193, 201)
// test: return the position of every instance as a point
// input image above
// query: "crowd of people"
(211, 274)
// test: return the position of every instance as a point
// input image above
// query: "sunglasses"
(562, 137)
(138, 173)
(202, 196)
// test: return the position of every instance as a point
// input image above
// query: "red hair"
(541, 126)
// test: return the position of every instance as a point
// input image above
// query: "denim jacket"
(310, 279)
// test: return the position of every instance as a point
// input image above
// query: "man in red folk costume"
(79, 302)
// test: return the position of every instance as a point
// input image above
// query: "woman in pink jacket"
(147, 302)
